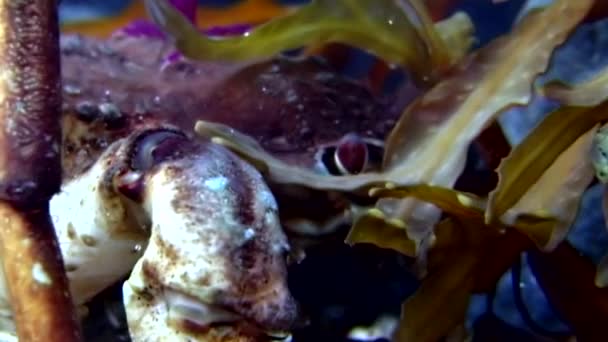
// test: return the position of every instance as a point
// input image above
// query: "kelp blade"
(585, 94)
(444, 121)
(539, 150)
(429, 143)
(457, 35)
(557, 193)
(378, 26)
(441, 302)
(373, 183)
(460, 204)
(421, 19)
(527, 216)
(277, 171)
(373, 227)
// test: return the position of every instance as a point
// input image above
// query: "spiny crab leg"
(30, 171)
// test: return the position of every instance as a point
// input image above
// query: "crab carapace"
(300, 110)
(197, 228)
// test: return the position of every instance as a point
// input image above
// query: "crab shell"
(295, 108)
(198, 227)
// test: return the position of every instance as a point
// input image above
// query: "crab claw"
(197, 225)
(215, 262)
(99, 237)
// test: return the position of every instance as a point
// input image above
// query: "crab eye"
(351, 155)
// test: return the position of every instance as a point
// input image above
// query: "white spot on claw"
(249, 233)
(137, 248)
(267, 199)
(218, 183)
(40, 275)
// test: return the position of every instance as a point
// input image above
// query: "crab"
(201, 235)
(192, 179)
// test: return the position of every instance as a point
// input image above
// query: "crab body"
(196, 227)
(292, 107)
(299, 110)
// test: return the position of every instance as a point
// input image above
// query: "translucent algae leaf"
(438, 128)
(463, 205)
(382, 27)
(557, 192)
(418, 15)
(373, 227)
(276, 170)
(441, 302)
(457, 35)
(585, 94)
(541, 148)
(531, 216)
(429, 143)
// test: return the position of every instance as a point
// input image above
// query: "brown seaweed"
(358, 23)
(429, 143)
(557, 193)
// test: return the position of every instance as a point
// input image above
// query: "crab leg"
(30, 171)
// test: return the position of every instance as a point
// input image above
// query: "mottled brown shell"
(290, 106)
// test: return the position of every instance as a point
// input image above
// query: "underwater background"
(342, 287)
